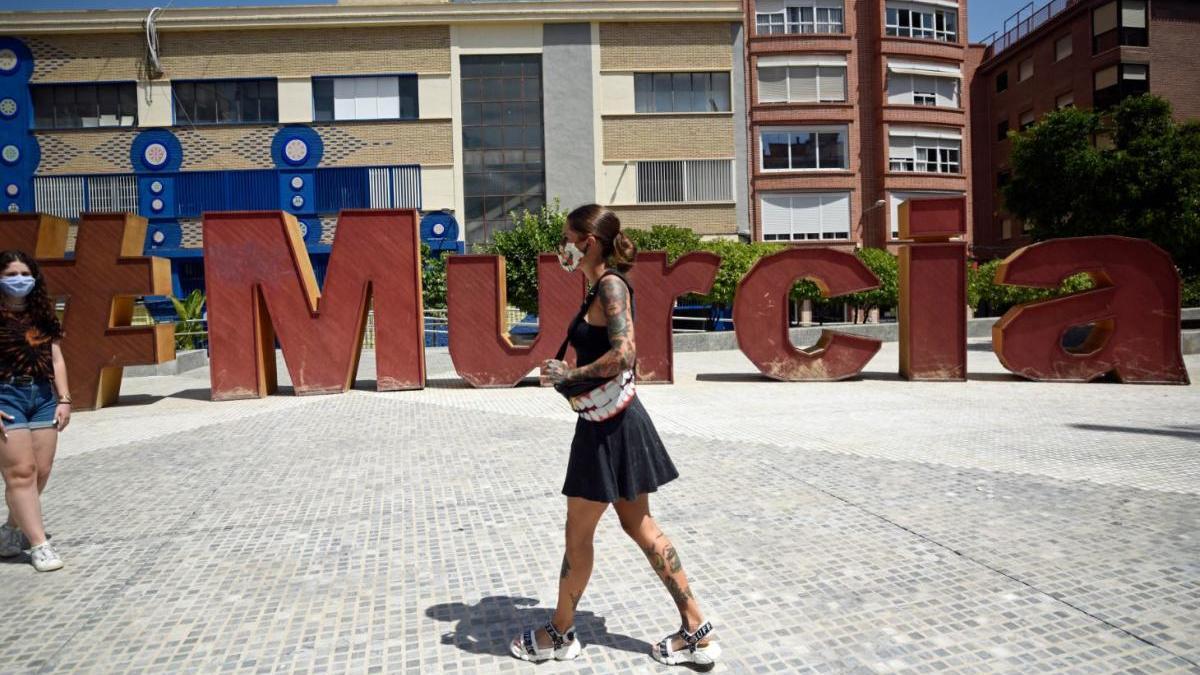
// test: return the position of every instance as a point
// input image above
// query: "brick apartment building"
(854, 107)
(1086, 53)
(474, 108)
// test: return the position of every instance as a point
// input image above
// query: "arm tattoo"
(614, 296)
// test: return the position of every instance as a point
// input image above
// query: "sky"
(985, 16)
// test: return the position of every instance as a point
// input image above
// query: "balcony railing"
(1023, 22)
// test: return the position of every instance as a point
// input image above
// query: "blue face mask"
(18, 286)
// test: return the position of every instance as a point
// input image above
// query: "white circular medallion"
(295, 150)
(8, 60)
(156, 187)
(159, 237)
(155, 155)
(303, 229)
(10, 154)
(439, 229)
(13, 208)
(12, 190)
(297, 182)
(297, 201)
(8, 107)
(156, 205)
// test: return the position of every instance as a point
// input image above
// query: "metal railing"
(1023, 22)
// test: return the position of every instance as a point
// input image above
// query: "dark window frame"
(126, 94)
(402, 79)
(1002, 81)
(1103, 99)
(1121, 36)
(193, 117)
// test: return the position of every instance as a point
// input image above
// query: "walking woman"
(32, 370)
(618, 460)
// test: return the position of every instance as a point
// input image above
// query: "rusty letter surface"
(656, 285)
(1134, 310)
(760, 315)
(261, 286)
(476, 301)
(100, 286)
(933, 290)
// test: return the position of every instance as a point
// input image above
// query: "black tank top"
(591, 342)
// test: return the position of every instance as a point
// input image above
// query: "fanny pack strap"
(583, 309)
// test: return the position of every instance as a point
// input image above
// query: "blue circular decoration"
(164, 235)
(297, 182)
(156, 205)
(12, 189)
(15, 59)
(10, 154)
(434, 220)
(8, 107)
(156, 187)
(155, 150)
(297, 201)
(310, 229)
(13, 207)
(297, 146)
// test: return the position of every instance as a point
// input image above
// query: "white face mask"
(569, 256)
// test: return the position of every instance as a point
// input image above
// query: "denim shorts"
(30, 405)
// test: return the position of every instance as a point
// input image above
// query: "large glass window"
(926, 90)
(78, 106)
(805, 216)
(926, 22)
(799, 16)
(925, 154)
(389, 97)
(681, 92)
(818, 148)
(802, 84)
(225, 101)
(503, 160)
(1121, 22)
(1115, 83)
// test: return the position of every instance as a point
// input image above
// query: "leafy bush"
(1191, 292)
(433, 278)
(676, 241)
(887, 269)
(190, 311)
(532, 234)
(983, 291)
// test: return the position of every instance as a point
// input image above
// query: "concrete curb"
(183, 362)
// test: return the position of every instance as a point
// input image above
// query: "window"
(817, 148)
(69, 196)
(805, 216)
(775, 17)
(225, 101)
(1028, 119)
(502, 137)
(1002, 81)
(1002, 130)
(921, 85)
(79, 106)
(1115, 83)
(1063, 48)
(1121, 22)
(929, 152)
(801, 83)
(388, 97)
(926, 22)
(1065, 101)
(681, 92)
(685, 180)
(1025, 70)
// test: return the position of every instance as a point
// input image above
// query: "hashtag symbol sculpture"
(100, 285)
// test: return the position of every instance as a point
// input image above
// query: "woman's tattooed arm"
(614, 296)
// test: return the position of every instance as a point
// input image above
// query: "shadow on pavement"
(488, 626)
(1186, 433)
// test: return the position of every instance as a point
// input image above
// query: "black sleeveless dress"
(621, 457)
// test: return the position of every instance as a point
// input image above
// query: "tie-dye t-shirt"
(25, 349)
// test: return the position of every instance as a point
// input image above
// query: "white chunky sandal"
(564, 646)
(694, 656)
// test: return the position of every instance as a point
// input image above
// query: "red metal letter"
(655, 288)
(260, 283)
(1134, 309)
(480, 347)
(933, 289)
(760, 314)
(100, 285)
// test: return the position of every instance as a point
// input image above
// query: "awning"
(803, 60)
(926, 69)
(925, 132)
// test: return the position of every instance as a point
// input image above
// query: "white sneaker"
(44, 558)
(12, 541)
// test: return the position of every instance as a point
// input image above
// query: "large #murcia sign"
(262, 291)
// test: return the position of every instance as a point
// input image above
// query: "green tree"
(676, 241)
(433, 277)
(531, 235)
(887, 269)
(189, 310)
(1130, 171)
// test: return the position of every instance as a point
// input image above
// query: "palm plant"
(189, 310)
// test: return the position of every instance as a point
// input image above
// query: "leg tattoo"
(566, 568)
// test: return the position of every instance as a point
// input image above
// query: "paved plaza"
(871, 526)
